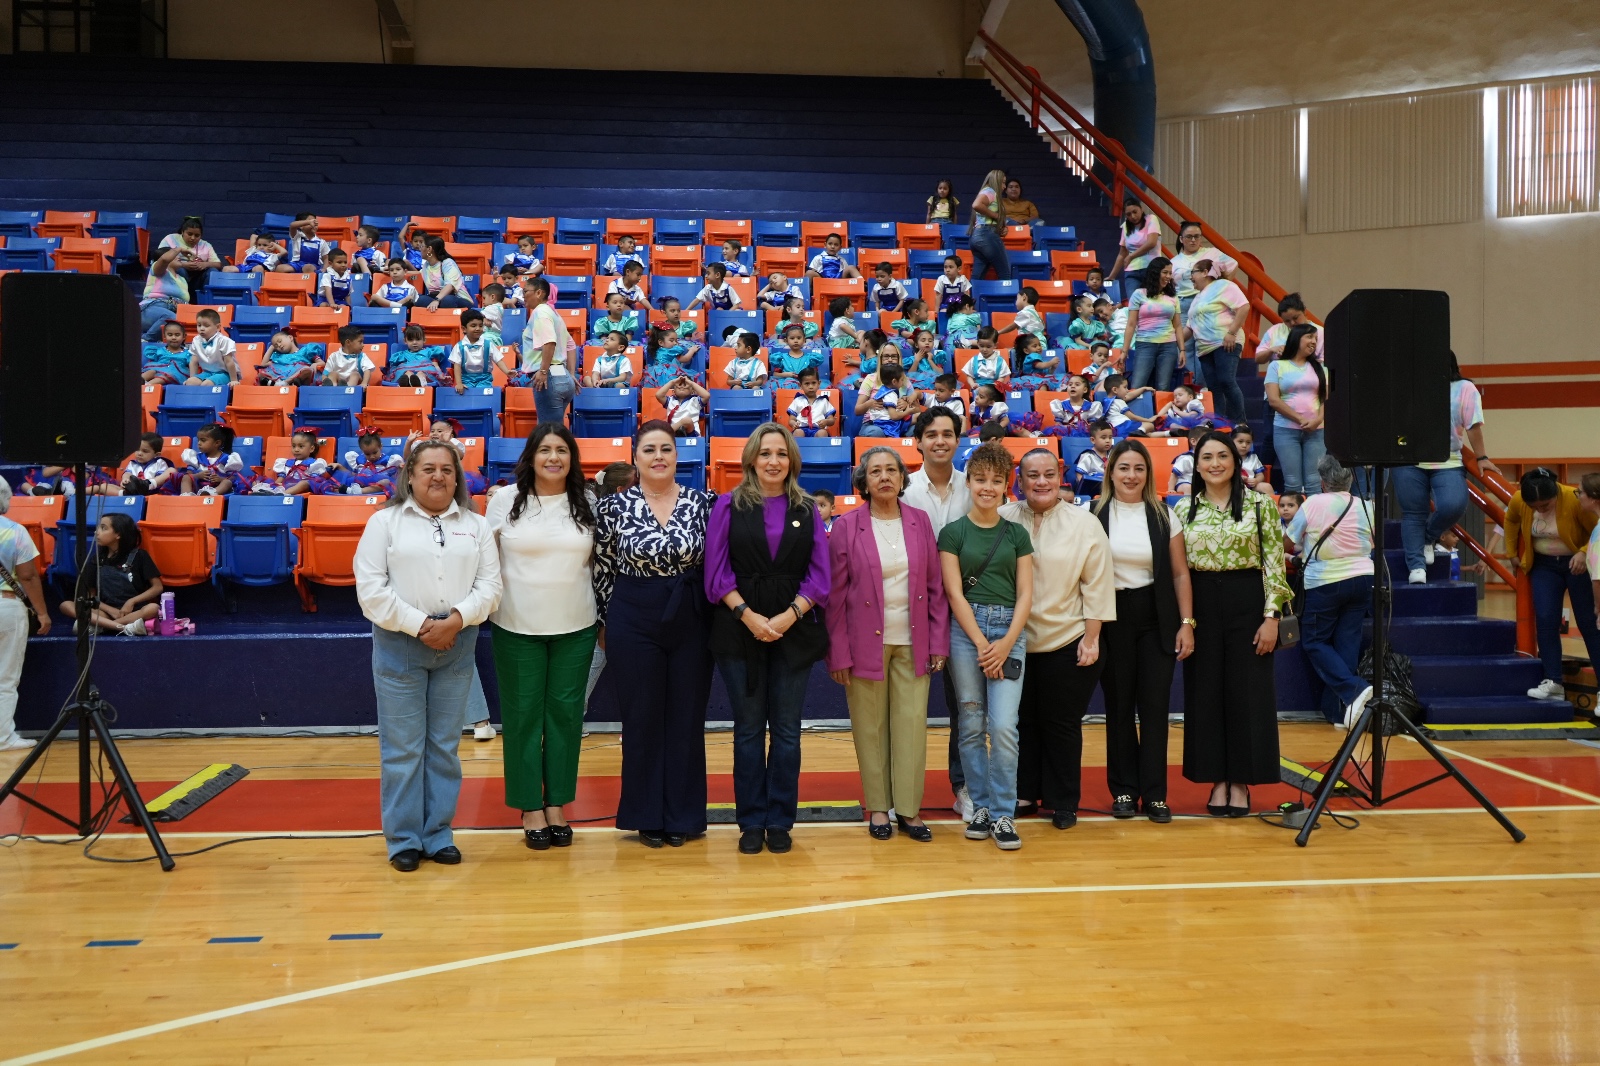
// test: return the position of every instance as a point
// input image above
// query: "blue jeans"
(1190, 347)
(766, 780)
(552, 400)
(989, 250)
(1299, 451)
(444, 301)
(1222, 372)
(1154, 359)
(155, 314)
(1552, 579)
(1415, 488)
(988, 710)
(1330, 633)
(422, 706)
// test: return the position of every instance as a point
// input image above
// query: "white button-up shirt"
(404, 576)
(943, 510)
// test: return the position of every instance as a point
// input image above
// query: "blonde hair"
(748, 494)
(996, 180)
(1153, 503)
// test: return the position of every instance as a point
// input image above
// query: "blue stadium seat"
(249, 449)
(691, 456)
(388, 226)
(717, 321)
(713, 254)
(237, 289)
(1055, 238)
(1071, 448)
(477, 409)
(256, 325)
(825, 463)
(572, 291)
(381, 325)
(21, 223)
(1055, 324)
(996, 295)
(609, 250)
(679, 231)
(497, 257)
(865, 320)
(737, 412)
(254, 544)
(124, 226)
(64, 569)
(471, 229)
(921, 265)
(513, 321)
(277, 225)
(954, 235)
(1032, 265)
(1144, 405)
(873, 234)
(1113, 289)
(769, 234)
(683, 288)
(335, 411)
(1019, 402)
(851, 424)
(185, 408)
(604, 413)
(28, 253)
(580, 230)
(500, 455)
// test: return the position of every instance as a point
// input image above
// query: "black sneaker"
(1005, 835)
(751, 841)
(1123, 807)
(981, 827)
(1158, 811)
(779, 841)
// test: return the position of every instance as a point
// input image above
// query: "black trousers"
(1055, 695)
(1137, 683)
(1230, 700)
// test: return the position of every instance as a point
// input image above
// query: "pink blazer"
(855, 602)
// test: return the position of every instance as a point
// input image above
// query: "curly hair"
(991, 458)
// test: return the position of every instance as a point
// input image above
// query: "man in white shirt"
(939, 490)
(547, 340)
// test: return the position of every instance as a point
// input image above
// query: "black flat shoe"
(1064, 819)
(537, 839)
(1027, 810)
(676, 840)
(1158, 811)
(877, 831)
(779, 841)
(920, 833)
(751, 842)
(1241, 812)
(1123, 807)
(1218, 810)
(406, 861)
(561, 836)
(652, 838)
(449, 856)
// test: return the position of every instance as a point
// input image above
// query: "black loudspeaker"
(69, 369)
(1387, 352)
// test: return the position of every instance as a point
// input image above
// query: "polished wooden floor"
(1424, 935)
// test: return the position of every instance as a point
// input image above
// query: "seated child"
(211, 352)
(776, 291)
(511, 289)
(1028, 319)
(858, 367)
(442, 429)
(306, 250)
(989, 406)
(1039, 369)
(525, 259)
(828, 263)
(947, 394)
(627, 252)
(891, 403)
(1074, 415)
(733, 261)
(1289, 506)
(166, 363)
(1092, 462)
(794, 310)
(916, 317)
(417, 365)
(333, 288)
(617, 317)
(1183, 465)
(825, 502)
(130, 585)
(1099, 366)
(842, 330)
(1084, 329)
(683, 397)
(925, 363)
(746, 370)
(961, 329)
(395, 292)
(672, 311)
(263, 257)
(1126, 422)
(413, 246)
(717, 294)
(1094, 286)
(791, 358)
(211, 467)
(628, 286)
(492, 301)
(1250, 466)
(886, 293)
(147, 472)
(368, 471)
(952, 285)
(668, 357)
(1184, 410)
(288, 363)
(471, 358)
(1114, 316)
(292, 475)
(349, 365)
(811, 413)
(988, 366)
(612, 368)
(369, 258)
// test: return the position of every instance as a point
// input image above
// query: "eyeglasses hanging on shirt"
(438, 529)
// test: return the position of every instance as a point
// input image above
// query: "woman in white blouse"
(544, 632)
(427, 575)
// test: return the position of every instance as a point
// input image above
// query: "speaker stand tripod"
(1378, 719)
(86, 710)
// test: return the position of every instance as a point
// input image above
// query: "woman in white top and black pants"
(427, 574)
(1152, 631)
(544, 632)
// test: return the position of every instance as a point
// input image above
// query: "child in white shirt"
(1185, 403)
(369, 258)
(776, 292)
(683, 398)
(626, 253)
(1099, 367)
(1075, 414)
(989, 365)
(811, 413)
(628, 285)
(732, 263)
(211, 352)
(333, 288)
(717, 294)
(1092, 462)
(472, 358)
(262, 258)
(397, 291)
(951, 285)
(1028, 319)
(828, 263)
(348, 364)
(1125, 421)
(612, 369)
(493, 299)
(746, 370)
(946, 394)
(147, 471)
(885, 293)
(523, 260)
(1250, 466)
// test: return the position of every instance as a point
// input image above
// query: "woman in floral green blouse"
(1235, 546)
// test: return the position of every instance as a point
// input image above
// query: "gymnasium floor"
(1424, 935)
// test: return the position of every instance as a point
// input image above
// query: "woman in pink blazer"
(888, 630)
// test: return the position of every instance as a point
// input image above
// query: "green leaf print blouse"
(1215, 541)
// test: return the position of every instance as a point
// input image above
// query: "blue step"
(1439, 571)
(1446, 676)
(1453, 635)
(1497, 710)
(1435, 599)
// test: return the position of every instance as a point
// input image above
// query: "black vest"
(1161, 566)
(769, 585)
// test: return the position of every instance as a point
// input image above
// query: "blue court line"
(7, 947)
(113, 944)
(355, 936)
(234, 940)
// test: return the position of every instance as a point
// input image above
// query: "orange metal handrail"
(1493, 506)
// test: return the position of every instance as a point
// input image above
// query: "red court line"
(333, 804)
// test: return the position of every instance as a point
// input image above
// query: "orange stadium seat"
(471, 258)
(442, 326)
(542, 230)
(519, 416)
(249, 357)
(1018, 238)
(871, 257)
(570, 260)
(337, 227)
(262, 410)
(792, 261)
(65, 224)
(37, 514)
(720, 230)
(434, 225)
(577, 320)
(1072, 266)
(86, 255)
(815, 234)
(319, 325)
(724, 463)
(825, 290)
(176, 531)
(919, 236)
(642, 230)
(286, 290)
(843, 505)
(149, 400)
(398, 411)
(172, 449)
(782, 398)
(597, 453)
(675, 261)
(328, 537)
(1054, 296)
(905, 447)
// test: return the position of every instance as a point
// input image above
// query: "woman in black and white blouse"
(648, 576)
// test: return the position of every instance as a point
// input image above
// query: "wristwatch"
(738, 612)
(1190, 622)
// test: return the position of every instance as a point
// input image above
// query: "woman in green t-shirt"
(988, 578)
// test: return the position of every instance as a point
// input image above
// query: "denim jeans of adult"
(1190, 348)
(766, 777)
(989, 250)
(988, 709)
(871, 429)
(1299, 451)
(552, 400)
(154, 314)
(450, 301)
(1221, 368)
(1330, 633)
(422, 706)
(1154, 364)
(1416, 488)
(1553, 580)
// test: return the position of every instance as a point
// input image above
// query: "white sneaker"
(1418, 576)
(136, 628)
(1352, 713)
(15, 743)
(963, 804)
(1548, 690)
(1427, 554)
(483, 731)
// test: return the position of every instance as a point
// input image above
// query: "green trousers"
(541, 713)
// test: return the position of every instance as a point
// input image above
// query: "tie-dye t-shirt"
(1153, 317)
(1466, 411)
(1347, 552)
(1298, 386)
(1214, 312)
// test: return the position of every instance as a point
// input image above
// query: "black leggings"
(1138, 687)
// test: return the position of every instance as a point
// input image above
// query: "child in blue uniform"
(369, 258)
(333, 289)
(212, 467)
(166, 363)
(746, 370)
(288, 363)
(1072, 416)
(961, 329)
(886, 293)
(667, 358)
(828, 263)
(292, 475)
(369, 472)
(627, 252)
(525, 259)
(717, 294)
(612, 369)
(417, 364)
(472, 359)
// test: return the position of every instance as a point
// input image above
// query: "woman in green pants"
(544, 632)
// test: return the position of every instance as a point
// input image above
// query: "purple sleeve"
(819, 575)
(719, 571)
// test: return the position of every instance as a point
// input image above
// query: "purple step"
(1437, 599)
(1446, 676)
(1452, 635)
(1494, 710)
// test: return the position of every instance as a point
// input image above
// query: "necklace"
(658, 495)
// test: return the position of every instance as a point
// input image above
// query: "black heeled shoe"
(561, 836)
(879, 830)
(1241, 812)
(920, 833)
(1219, 810)
(537, 839)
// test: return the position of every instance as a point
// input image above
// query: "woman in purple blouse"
(767, 572)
